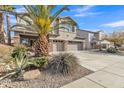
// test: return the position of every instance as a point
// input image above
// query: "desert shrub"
(112, 50)
(62, 64)
(37, 63)
(19, 49)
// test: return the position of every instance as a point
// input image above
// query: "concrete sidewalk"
(108, 71)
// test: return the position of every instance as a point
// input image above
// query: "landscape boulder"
(32, 74)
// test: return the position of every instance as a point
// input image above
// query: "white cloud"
(84, 8)
(85, 11)
(87, 14)
(114, 24)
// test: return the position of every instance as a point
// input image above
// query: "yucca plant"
(15, 66)
(40, 18)
(19, 49)
(62, 64)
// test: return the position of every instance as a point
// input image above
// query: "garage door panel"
(74, 46)
(58, 46)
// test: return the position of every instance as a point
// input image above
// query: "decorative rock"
(33, 74)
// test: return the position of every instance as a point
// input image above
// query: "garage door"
(74, 46)
(58, 46)
(80, 46)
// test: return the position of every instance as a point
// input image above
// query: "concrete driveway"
(108, 71)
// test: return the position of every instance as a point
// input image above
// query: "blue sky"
(108, 18)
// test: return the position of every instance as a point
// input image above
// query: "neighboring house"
(92, 39)
(69, 39)
(104, 44)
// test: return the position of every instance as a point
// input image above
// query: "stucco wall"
(64, 35)
(85, 35)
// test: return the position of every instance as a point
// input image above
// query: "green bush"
(37, 63)
(62, 64)
(20, 49)
(111, 50)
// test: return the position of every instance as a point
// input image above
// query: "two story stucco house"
(71, 38)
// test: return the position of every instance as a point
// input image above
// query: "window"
(25, 41)
(70, 27)
(67, 27)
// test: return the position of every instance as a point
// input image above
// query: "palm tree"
(5, 9)
(42, 16)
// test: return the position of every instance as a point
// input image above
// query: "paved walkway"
(108, 71)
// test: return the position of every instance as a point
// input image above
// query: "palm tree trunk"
(8, 30)
(2, 39)
(42, 46)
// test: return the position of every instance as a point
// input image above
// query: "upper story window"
(68, 27)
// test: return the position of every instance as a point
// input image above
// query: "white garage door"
(74, 46)
(58, 46)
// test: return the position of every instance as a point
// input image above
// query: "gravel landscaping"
(47, 80)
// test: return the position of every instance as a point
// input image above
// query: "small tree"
(117, 37)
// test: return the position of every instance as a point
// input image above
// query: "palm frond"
(30, 28)
(51, 8)
(7, 8)
(25, 18)
(56, 14)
